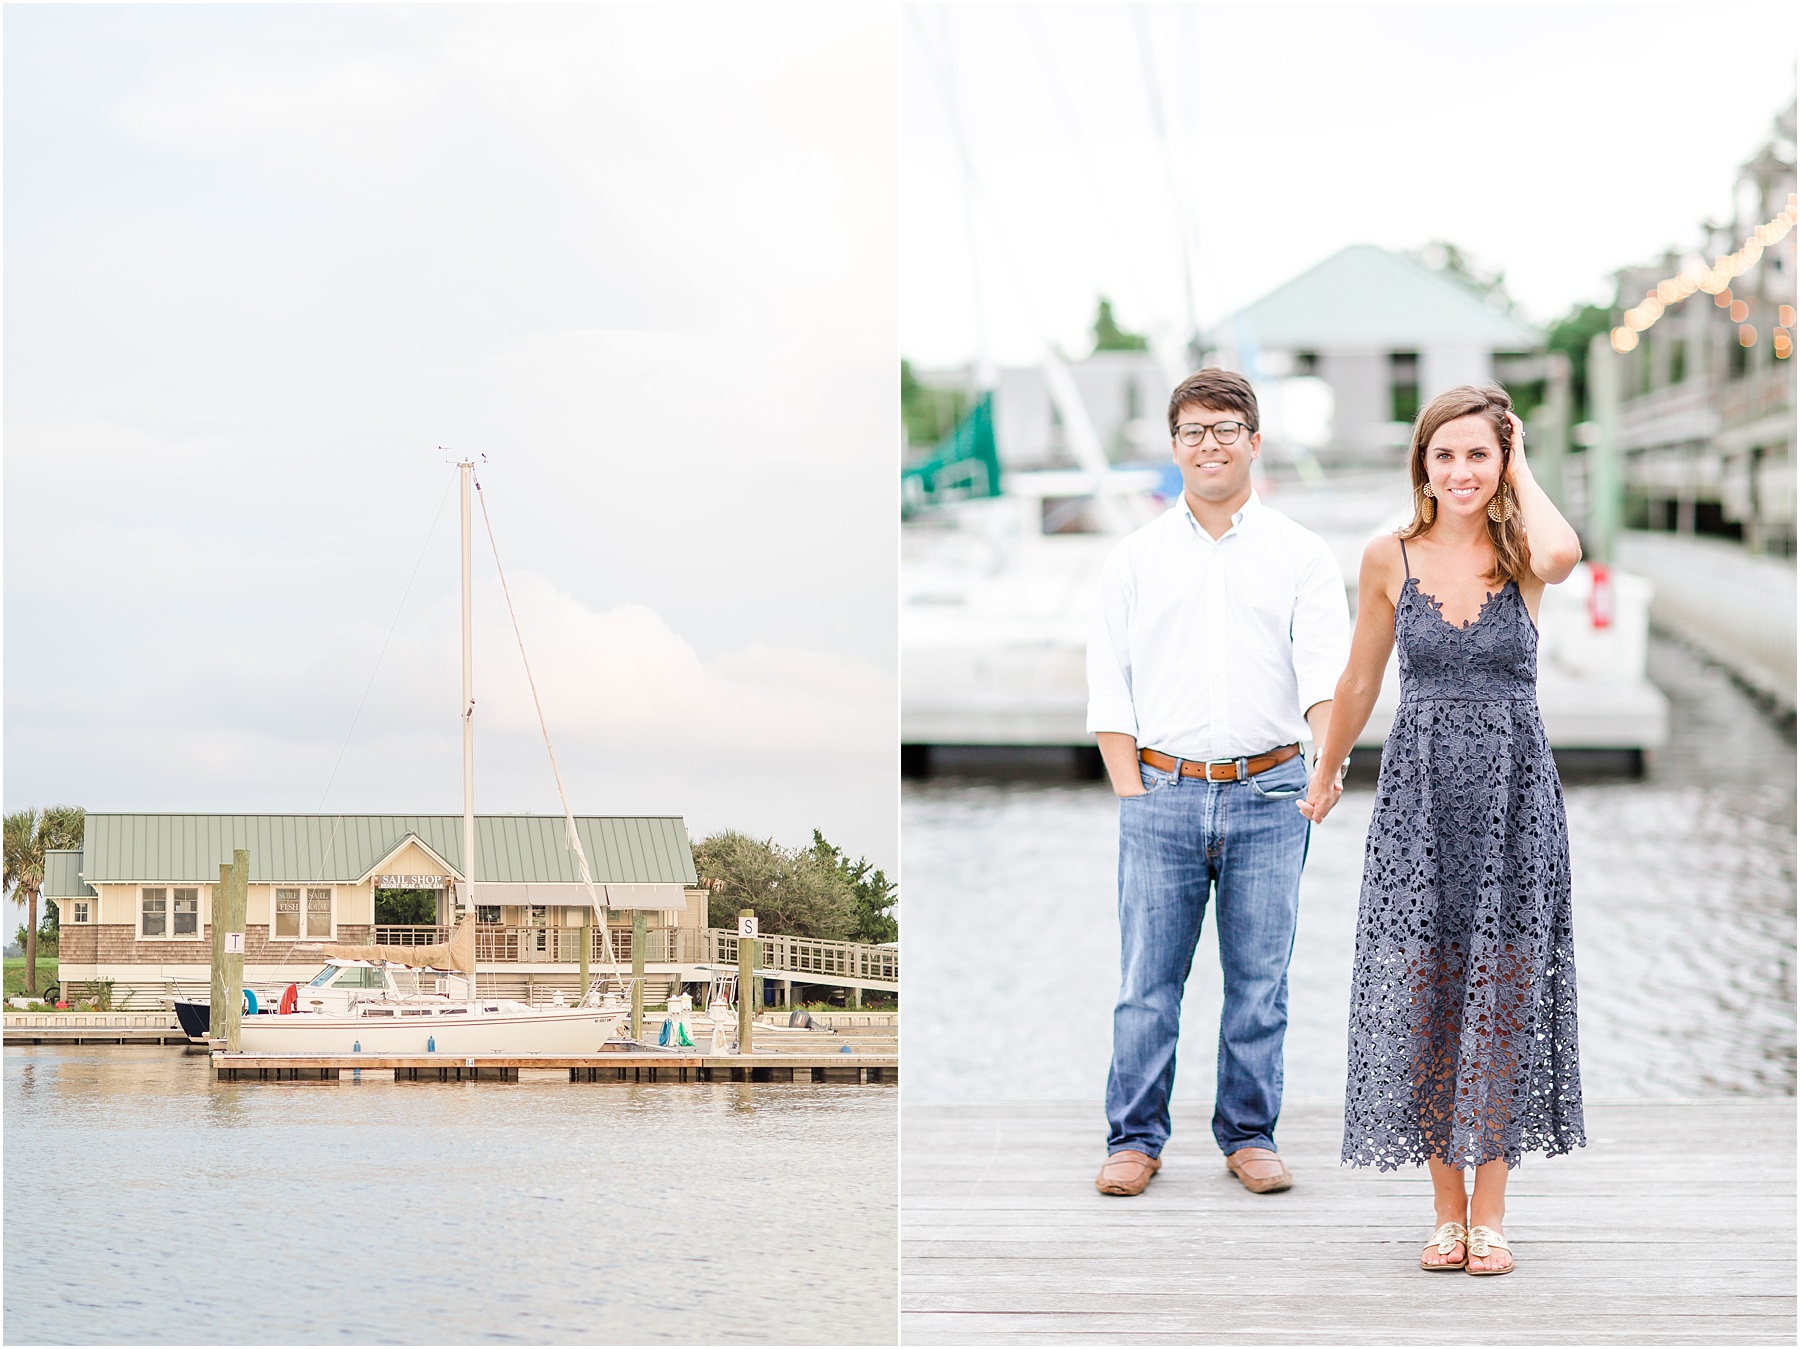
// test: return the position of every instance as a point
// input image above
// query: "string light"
(1714, 281)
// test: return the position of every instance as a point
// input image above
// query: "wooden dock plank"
(1675, 1225)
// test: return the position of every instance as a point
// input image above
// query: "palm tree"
(29, 835)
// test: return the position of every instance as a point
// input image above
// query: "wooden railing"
(804, 956)
(498, 944)
(798, 957)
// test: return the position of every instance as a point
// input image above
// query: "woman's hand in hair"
(1517, 470)
(1555, 549)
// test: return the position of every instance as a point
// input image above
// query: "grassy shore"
(15, 973)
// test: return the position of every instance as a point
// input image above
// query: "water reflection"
(1684, 925)
(192, 1211)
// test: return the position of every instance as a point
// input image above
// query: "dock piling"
(587, 949)
(236, 902)
(746, 954)
(639, 936)
(221, 908)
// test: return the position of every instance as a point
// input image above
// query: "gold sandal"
(1447, 1238)
(1485, 1241)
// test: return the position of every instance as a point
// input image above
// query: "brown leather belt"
(1220, 770)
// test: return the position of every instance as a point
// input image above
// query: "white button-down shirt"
(1214, 648)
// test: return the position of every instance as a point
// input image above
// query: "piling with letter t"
(237, 895)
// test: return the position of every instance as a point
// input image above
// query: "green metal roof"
(644, 849)
(62, 875)
(1364, 296)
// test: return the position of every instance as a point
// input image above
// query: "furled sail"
(456, 954)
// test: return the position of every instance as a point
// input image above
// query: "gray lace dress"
(1462, 1007)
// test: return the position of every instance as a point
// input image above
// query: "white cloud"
(624, 677)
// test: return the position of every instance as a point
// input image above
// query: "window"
(168, 913)
(81, 911)
(1403, 381)
(293, 920)
(1678, 361)
(487, 913)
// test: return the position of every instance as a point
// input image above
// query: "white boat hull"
(542, 1030)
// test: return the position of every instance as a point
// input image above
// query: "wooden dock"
(1675, 1225)
(93, 1028)
(624, 1066)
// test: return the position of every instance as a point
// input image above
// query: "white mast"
(467, 469)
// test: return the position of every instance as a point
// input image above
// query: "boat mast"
(467, 469)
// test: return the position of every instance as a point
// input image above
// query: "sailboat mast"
(467, 469)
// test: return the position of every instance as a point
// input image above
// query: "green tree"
(29, 835)
(873, 893)
(1571, 336)
(1109, 336)
(791, 892)
(928, 414)
(401, 908)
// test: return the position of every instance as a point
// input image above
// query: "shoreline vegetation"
(15, 974)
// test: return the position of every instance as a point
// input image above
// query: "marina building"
(134, 903)
(1386, 335)
(1706, 420)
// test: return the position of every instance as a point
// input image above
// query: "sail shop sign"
(412, 882)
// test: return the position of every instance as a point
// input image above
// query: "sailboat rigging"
(401, 1016)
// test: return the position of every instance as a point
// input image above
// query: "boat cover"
(456, 954)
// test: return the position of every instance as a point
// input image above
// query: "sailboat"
(407, 1015)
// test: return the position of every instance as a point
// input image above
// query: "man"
(1219, 637)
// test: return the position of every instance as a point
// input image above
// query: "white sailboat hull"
(543, 1030)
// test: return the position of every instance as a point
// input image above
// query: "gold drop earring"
(1500, 507)
(1427, 505)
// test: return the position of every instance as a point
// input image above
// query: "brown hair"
(1224, 390)
(1512, 553)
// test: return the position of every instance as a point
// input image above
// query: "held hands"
(1323, 789)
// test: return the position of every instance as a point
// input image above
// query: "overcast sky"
(262, 262)
(1555, 141)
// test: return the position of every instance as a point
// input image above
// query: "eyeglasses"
(1194, 433)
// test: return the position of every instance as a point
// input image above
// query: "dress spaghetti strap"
(1403, 561)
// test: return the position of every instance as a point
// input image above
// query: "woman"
(1462, 1009)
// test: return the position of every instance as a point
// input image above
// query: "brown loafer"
(1261, 1170)
(1127, 1172)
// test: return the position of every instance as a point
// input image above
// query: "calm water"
(147, 1204)
(1684, 925)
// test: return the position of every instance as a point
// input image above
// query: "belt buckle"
(1237, 766)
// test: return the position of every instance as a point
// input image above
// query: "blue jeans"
(1185, 841)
